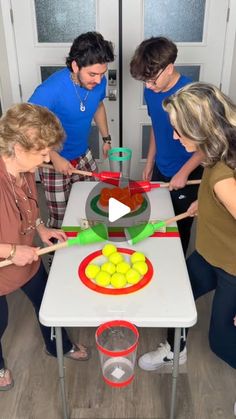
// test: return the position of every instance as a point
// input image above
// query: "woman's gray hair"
(202, 113)
(34, 127)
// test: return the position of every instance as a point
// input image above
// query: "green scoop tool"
(136, 234)
(95, 234)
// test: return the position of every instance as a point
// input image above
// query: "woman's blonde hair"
(33, 127)
(202, 113)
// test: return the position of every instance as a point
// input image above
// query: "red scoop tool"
(143, 186)
(112, 178)
(108, 177)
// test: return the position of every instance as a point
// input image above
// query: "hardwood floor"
(206, 387)
(205, 390)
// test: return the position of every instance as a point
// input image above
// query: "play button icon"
(116, 210)
(119, 210)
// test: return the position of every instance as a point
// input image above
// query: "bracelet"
(107, 140)
(38, 222)
(12, 252)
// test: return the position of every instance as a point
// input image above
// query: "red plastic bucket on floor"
(117, 343)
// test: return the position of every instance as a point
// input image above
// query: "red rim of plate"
(113, 291)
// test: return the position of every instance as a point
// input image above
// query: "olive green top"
(216, 227)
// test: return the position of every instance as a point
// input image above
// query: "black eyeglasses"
(177, 132)
(153, 81)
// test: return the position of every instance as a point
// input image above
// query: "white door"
(44, 32)
(198, 27)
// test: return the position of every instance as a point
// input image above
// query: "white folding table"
(167, 300)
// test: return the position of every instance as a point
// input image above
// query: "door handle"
(112, 94)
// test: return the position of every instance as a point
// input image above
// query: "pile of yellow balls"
(116, 271)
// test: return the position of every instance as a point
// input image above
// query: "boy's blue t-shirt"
(58, 94)
(171, 155)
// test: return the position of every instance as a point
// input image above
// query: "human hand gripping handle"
(98, 233)
(146, 186)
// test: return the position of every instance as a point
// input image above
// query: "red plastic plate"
(113, 291)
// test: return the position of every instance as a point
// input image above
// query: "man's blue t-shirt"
(58, 94)
(171, 155)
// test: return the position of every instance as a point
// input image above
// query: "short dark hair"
(90, 48)
(151, 56)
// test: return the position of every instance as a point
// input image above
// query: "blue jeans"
(34, 290)
(222, 332)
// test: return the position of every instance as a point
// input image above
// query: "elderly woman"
(204, 119)
(27, 134)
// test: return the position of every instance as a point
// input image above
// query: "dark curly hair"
(90, 48)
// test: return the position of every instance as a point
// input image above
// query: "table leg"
(61, 370)
(175, 371)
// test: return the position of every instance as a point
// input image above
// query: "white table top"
(166, 301)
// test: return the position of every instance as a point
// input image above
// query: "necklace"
(82, 101)
(28, 196)
(13, 189)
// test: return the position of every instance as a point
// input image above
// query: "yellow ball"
(123, 267)
(108, 249)
(132, 276)
(137, 257)
(92, 270)
(108, 267)
(116, 258)
(103, 279)
(141, 267)
(118, 280)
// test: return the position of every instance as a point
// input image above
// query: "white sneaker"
(162, 356)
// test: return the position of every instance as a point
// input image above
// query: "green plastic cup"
(95, 234)
(120, 160)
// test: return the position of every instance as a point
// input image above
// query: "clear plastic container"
(117, 343)
(120, 160)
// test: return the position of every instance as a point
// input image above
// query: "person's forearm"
(53, 155)
(152, 148)
(192, 163)
(100, 119)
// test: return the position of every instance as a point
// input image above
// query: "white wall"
(5, 84)
(232, 85)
